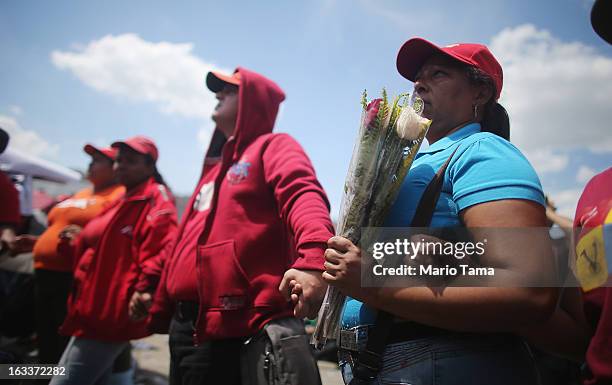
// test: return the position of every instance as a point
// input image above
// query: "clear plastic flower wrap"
(389, 137)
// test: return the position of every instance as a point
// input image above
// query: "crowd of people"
(255, 251)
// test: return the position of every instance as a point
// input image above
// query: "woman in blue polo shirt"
(463, 334)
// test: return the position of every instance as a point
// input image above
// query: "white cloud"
(604, 147)
(585, 174)
(557, 94)
(166, 74)
(26, 140)
(546, 160)
(566, 201)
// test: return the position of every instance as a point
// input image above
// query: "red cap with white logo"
(415, 52)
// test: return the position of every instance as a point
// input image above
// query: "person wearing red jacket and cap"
(248, 258)
(593, 240)
(53, 270)
(116, 255)
(592, 233)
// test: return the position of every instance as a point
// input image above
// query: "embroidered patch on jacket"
(233, 302)
(127, 230)
(238, 172)
(202, 201)
(594, 253)
(163, 192)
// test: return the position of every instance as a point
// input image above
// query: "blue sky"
(76, 72)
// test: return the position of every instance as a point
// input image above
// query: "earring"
(475, 111)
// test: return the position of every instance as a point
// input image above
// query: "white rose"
(410, 124)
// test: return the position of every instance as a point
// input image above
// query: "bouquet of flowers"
(389, 137)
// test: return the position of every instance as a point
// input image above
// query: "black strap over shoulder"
(427, 205)
(370, 359)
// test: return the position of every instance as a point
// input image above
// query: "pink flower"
(372, 112)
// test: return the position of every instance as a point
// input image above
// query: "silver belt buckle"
(355, 338)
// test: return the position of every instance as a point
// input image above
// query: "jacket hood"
(258, 101)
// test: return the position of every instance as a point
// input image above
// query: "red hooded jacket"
(117, 253)
(593, 222)
(267, 213)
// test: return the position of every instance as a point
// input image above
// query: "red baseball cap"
(109, 152)
(215, 81)
(140, 144)
(415, 52)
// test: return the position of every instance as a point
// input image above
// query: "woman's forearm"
(468, 309)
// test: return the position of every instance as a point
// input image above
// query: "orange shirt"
(77, 210)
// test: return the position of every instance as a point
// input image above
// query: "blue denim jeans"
(90, 362)
(453, 359)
